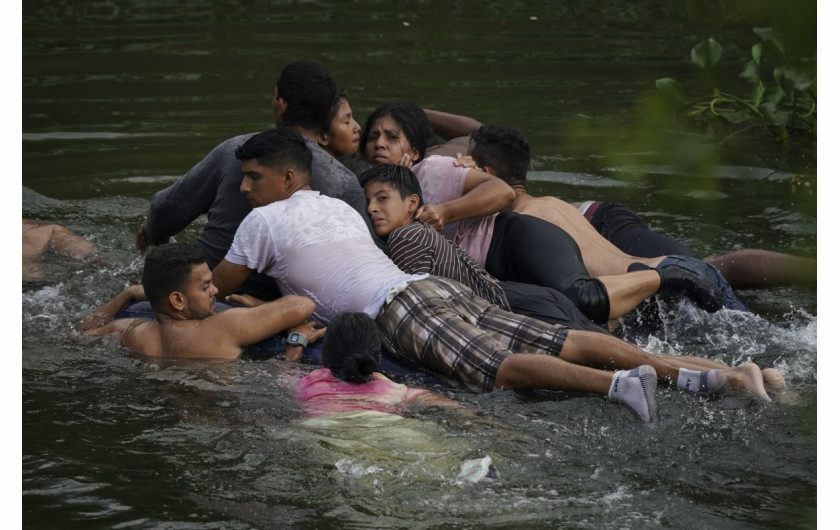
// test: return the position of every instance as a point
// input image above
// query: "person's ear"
(177, 300)
(490, 170)
(413, 203)
(414, 154)
(279, 106)
(322, 140)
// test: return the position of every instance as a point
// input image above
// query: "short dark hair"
(505, 149)
(167, 269)
(400, 178)
(352, 347)
(310, 93)
(411, 119)
(278, 148)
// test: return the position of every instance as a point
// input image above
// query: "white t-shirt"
(318, 247)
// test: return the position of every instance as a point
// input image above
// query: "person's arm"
(249, 325)
(309, 330)
(431, 399)
(449, 126)
(98, 323)
(174, 208)
(228, 276)
(483, 194)
(66, 243)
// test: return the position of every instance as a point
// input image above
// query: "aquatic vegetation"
(782, 105)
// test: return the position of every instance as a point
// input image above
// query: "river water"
(121, 97)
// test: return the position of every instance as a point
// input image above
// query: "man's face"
(387, 210)
(262, 185)
(200, 294)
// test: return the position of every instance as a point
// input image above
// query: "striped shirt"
(417, 248)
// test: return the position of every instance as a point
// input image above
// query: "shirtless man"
(504, 152)
(178, 284)
(40, 238)
(744, 268)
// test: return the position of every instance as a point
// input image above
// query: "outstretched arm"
(450, 126)
(174, 208)
(98, 323)
(249, 325)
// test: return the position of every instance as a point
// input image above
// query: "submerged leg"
(764, 268)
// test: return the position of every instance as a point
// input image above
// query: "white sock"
(612, 393)
(689, 380)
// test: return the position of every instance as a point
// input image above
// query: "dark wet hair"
(278, 148)
(167, 269)
(505, 149)
(352, 348)
(411, 119)
(400, 178)
(310, 93)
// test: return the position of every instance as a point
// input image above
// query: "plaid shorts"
(441, 325)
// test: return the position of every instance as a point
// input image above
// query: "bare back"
(600, 257)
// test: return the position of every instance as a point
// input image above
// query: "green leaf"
(799, 80)
(774, 95)
(765, 34)
(756, 53)
(707, 54)
(672, 88)
(751, 73)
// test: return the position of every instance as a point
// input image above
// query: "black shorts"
(626, 230)
(526, 249)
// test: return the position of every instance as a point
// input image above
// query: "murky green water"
(121, 97)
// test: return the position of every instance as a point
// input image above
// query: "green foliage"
(784, 104)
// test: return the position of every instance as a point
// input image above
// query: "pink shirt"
(320, 392)
(440, 181)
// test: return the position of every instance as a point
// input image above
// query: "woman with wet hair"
(467, 205)
(349, 382)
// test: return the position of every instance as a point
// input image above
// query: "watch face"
(296, 338)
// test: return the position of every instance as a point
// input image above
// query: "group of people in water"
(321, 227)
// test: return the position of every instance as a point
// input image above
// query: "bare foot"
(748, 377)
(773, 379)
(775, 383)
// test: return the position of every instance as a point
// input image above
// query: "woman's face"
(343, 136)
(386, 143)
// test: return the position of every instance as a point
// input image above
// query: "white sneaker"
(635, 388)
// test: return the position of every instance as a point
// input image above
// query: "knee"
(591, 297)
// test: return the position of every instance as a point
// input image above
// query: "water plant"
(782, 105)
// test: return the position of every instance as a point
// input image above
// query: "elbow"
(304, 305)
(508, 197)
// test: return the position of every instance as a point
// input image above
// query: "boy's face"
(387, 210)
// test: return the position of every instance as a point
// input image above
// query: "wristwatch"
(296, 339)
